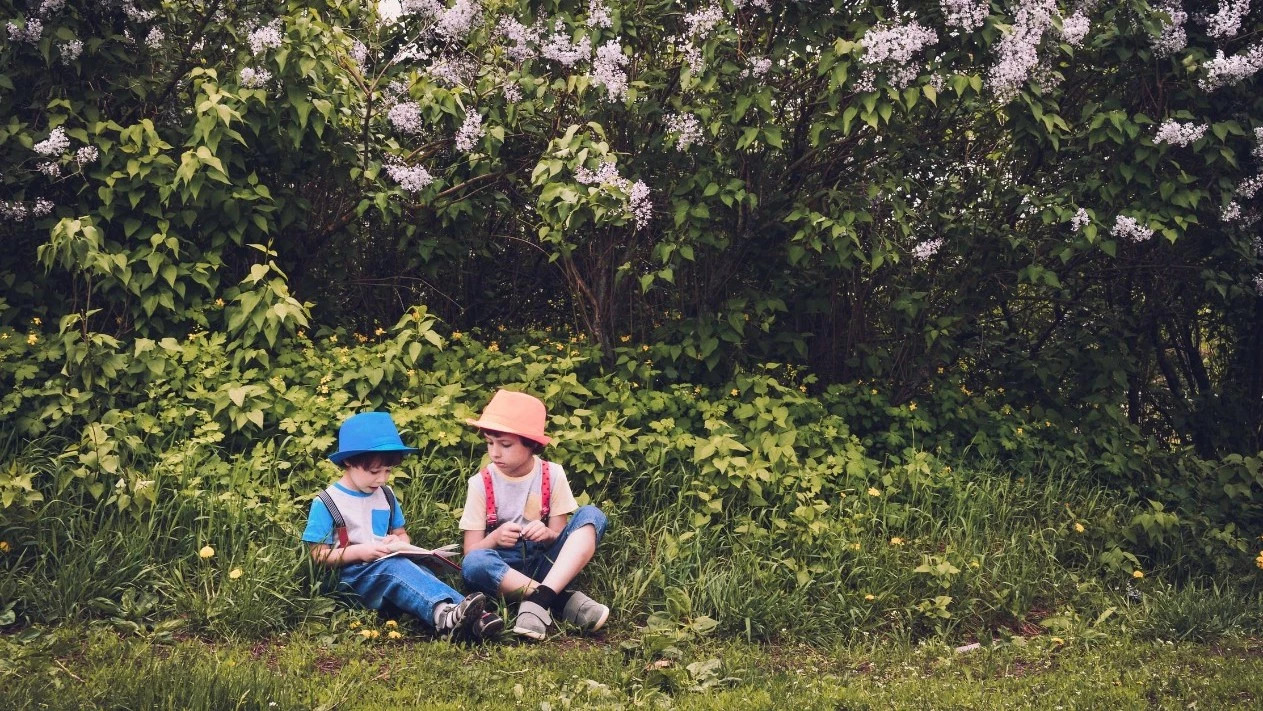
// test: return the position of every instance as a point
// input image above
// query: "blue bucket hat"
(368, 432)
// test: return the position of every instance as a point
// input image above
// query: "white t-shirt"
(517, 498)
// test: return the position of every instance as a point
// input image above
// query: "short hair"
(366, 460)
(535, 447)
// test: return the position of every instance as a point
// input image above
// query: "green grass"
(321, 668)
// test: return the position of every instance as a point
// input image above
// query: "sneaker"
(456, 619)
(584, 612)
(488, 626)
(532, 620)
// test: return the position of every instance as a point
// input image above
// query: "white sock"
(440, 611)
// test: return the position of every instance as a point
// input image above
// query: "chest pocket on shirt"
(381, 522)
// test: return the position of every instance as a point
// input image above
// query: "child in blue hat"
(353, 523)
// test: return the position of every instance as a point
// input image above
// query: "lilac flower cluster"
(155, 38)
(470, 131)
(637, 202)
(968, 15)
(1080, 220)
(55, 145)
(608, 70)
(1227, 22)
(1173, 37)
(49, 7)
(136, 14)
(892, 48)
(927, 249)
(1258, 284)
(412, 179)
(1225, 71)
(52, 169)
(70, 50)
(599, 14)
(698, 26)
(1231, 212)
(30, 33)
(17, 212)
(457, 21)
(425, 8)
(687, 129)
(252, 78)
(86, 155)
(757, 67)
(452, 71)
(512, 93)
(1258, 142)
(1250, 186)
(1018, 50)
(265, 38)
(560, 49)
(359, 54)
(1130, 229)
(1179, 134)
(518, 38)
(1075, 28)
(406, 117)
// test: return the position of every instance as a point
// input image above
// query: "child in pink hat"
(525, 535)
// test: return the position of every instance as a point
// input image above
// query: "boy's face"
(509, 453)
(367, 476)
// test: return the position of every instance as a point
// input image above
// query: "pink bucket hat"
(514, 413)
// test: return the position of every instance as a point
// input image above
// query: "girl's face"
(509, 453)
(369, 476)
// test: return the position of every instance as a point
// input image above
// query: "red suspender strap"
(491, 499)
(339, 523)
(544, 495)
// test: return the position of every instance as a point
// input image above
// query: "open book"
(438, 558)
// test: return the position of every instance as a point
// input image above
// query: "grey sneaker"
(584, 612)
(456, 619)
(488, 627)
(532, 620)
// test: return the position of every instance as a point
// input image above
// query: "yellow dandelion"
(1078, 527)
(874, 491)
(1057, 641)
(206, 552)
(912, 407)
(234, 573)
(494, 347)
(870, 597)
(394, 634)
(456, 335)
(32, 339)
(355, 624)
(4, 548)
(1257, 561)
(896, 541)
(37, 321)
(855, 546)
(366, 634)
(734, 392)
(975, 564)
(1137, 574)
(391, 623)
(380, 331)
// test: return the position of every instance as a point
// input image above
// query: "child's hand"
(368, 552)
(536, 531)
(507, 535)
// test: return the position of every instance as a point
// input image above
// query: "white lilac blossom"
(967, 15)
(86, 155)
(1250, 186)
(1179, 134)
(389, 10)
(757, 67)
(703, 21)
(50, 168)
(560, 49)
(56, 144)
(252, 78)
(1231, 212)
(1080, 220)
(137, 15)
(1173, 37)
(892, 48)
(30, 33)
(1227, 22)
(637, 203)
(512, 93)
(599, 14)
(155, 38)
(70, 50)
(518, 38)
(686, 128)
(48, 7)
(42, 207)
(608, 70)
(412, 179)
(1018, 50)
(359, 54)
(1074, 28)
(470, 131)
(1258, 142)
(452, 71)
(927, 249)
(406, 117)
(13, 211)
(455, 22)
(265, 38)
(1130, 229)
(1225, 71)
(1258, 284)
(425, 8)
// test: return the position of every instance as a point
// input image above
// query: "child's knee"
(591, 516)
(480, 570)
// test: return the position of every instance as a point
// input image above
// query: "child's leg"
(573, 549)
(401, 582)
(491, 571)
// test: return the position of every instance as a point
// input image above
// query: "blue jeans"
(400, 582)
(484, 569)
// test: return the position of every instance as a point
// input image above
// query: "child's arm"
(331, 557)
(538, 532)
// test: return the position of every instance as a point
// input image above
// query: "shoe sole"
(530, 634)
(493, 629)
(600, 622)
